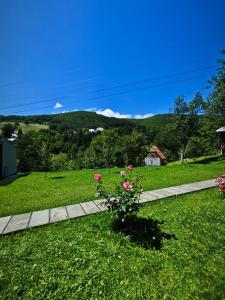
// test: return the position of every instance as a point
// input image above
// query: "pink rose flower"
(122, 173)
(222, 186)
(127, 186)
(130, 167)
(98, 177)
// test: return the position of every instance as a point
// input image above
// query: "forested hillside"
(68, 144)
(157, 122)
(72, 120)
(83, 119)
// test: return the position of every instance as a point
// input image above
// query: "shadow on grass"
(57, 177)
(143, 232)
(11, 179)
(209, 160)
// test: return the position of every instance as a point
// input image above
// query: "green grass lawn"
(35, 191)
(85, 259)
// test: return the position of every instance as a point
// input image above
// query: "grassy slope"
(35, 192)
(84, 259)
(30, 127)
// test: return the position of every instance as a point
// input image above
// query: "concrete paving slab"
(75, 211)
(206, 184)
(166, 192)
(155, 194)
(100, 204)
(199, 187)
(210, 181)
(177, 191)
(196, 187)
(90, 207)
(3, 222)
(189, 188)
(17, 222)
(58, 214)
(39, 218)
(146, 197)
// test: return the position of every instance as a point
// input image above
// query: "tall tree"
(216, 99)
(7, 130)
(45, 157)
(187, 119)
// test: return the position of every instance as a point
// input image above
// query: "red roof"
(156, 150)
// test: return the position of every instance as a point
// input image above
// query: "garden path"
(15, 223)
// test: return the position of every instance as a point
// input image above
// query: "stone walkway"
(15, 223)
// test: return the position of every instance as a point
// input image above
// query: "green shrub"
(124, 200)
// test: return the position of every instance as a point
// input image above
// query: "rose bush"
(124, 200)
(221, 185)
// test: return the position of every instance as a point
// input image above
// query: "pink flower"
(130, 167)
(122, 173)
(222, 186)
(98, 177)
(220, 180)
(127, 186)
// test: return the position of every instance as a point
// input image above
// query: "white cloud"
(110, 113)
(91, 109)
(143, 116)
(107, 113)
(58, 105)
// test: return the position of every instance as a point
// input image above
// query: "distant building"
(7, 158)
(221, 133)
(13, 137)
(155, 157)
(98, 129)
(91, 130)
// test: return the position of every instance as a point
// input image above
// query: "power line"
(76, 83)
(24, 81)
(113, 87)
(152, 79)
(127, 92)
(175, 45)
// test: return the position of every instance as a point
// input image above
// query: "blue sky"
(63, 53)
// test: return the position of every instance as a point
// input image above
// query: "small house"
(221, 133)
(155, 157)
(7, 158)
(99, 129)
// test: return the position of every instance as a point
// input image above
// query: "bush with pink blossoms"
(221, 185)
(124, 200)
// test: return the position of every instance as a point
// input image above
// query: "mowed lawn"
(85, 259)
(36, 192)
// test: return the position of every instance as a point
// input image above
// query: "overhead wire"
(126, 92)
(110, 88)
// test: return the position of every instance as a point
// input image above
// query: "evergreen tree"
(7, 130)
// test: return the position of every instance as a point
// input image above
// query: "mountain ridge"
(84, 119)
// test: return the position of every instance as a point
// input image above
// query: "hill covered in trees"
(71, 146)
(83, 119)
(72, 120)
